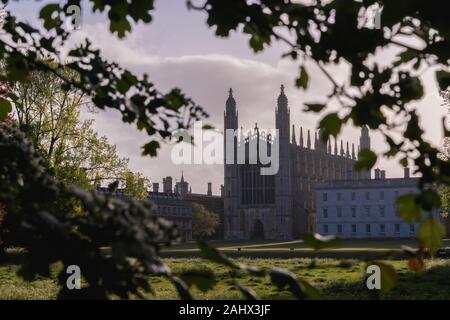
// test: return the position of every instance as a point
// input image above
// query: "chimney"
(156, 187)
(377, 173)
(209, 189)
(382, 174)
(406, 171)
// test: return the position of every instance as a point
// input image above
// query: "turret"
(231, 114)
(322, 145)
(283, 200)
(282, 115)
(316, 141)
(209, 192)
(301, 137)
(294, 141)
(364, 140)
(230, 190)
(308, 141)
(364, 143)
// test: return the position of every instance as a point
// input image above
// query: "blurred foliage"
(105, 83)
(38, 213)
(36, 222)
(51, 120)
(318, 242)
(444, 155)
(387, 273)
(282, 279)
(323, 33)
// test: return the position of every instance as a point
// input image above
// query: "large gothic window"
(242, 221)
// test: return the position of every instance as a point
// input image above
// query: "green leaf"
(16, 68)
(46, 15)
(212, 254)
(5, 108)
(331, 125)
(151, 148)
(285, 279)
(443, 79)
(409, 209)
(122, 86)
(302, 81)
(366, 160)
(314, 107)
(429, 199)
(319, 242)
(203, 279)
(113, 186)
(405, 57)
(388, 275)
(411, 88)
(430, 233)
(404, 162)
(207, 127)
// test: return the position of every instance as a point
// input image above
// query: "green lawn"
(335, 278)
(349, 249)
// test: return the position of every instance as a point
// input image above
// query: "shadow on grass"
(13, 256)
(267, 254)
(433, 283)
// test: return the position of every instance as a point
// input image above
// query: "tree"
(37, 223)
(135, 185)
(9, 122)
(444, 155)
(105, 83)
(2, 218)
(50, 116)
(204, 222)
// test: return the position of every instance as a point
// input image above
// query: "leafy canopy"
(317, 32)
(331, 33)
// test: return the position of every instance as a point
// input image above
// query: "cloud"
(206, 78)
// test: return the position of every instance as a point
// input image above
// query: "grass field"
(337, 278)
(349, 249)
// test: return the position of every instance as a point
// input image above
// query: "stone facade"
(364, 208)
(181, 197)
(173, 207)
(281, 206)
(168, 205)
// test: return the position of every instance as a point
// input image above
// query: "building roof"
(164, 195)
(368, 183)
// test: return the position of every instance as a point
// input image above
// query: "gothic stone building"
(172, 204)
(280, 206)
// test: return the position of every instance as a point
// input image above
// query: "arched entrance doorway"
(258, 230)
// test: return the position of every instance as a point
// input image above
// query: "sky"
(178, 49)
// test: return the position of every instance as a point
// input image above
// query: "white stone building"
(364, 208)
